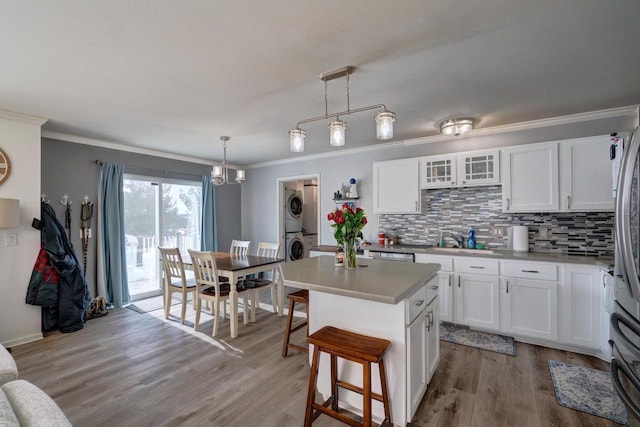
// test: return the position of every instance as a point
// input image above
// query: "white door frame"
(280, 182)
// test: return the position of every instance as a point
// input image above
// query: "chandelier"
(456, 126)
(337, 128)
(220, 173)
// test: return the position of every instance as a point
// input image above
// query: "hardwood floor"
(131, 369)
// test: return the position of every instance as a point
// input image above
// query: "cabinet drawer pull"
(477, 267)
(419, 302)
(530, 271)
(435, 287)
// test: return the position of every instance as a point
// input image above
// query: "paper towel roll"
(520, 238)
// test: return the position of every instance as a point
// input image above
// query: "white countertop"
(382, 281)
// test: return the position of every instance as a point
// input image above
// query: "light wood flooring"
(132, 369)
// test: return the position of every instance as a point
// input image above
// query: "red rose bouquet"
(347, 228)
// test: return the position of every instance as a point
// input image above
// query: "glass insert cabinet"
(461, 169)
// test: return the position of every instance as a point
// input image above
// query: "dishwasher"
(393, 256)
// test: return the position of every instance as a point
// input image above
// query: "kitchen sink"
(463, 251)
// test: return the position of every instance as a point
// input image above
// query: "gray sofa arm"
(8, 368)
(30, 406)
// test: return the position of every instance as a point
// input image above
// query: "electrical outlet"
(544, 232)
(498, 231)
(10, 239)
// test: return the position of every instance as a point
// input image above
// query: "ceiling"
(174, 76)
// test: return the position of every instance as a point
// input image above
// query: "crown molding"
(632, 111)
(116, 146)
(24, 118)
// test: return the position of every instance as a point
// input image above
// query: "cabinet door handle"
(507, 286)
(507, 203)
(476, 267)
(530, 271)
(449, 281)
(458, 281)
(568, 202)
(416, 205)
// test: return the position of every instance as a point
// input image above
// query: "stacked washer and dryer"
(293, 225)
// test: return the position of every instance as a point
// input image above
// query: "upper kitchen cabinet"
(396, 186)
(586, 178)
(461, 169)
(530, 179)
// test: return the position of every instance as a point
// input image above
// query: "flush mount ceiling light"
(456, 126)
(337, 128)
(220, 173)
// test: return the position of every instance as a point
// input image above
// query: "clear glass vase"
(350, 254)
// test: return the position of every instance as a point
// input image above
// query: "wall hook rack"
(65, 200)
(43, 198)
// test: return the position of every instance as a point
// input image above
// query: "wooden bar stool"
(301, 297)
(356, 348)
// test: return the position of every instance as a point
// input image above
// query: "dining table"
(236, 267)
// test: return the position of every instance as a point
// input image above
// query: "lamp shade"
(296, 140)
(9, 213)
(337, 133)
(384, 125)
(240, 175)
(217, 171)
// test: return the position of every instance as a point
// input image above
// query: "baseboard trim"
(23, 340)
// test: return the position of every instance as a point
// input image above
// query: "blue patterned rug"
(472, 338)
(587, 390)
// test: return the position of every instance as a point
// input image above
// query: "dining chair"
(240, 247)
(210, 289)
(176, 281)
(265, 249)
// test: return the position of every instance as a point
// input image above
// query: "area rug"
(482, 340)
(587, 390)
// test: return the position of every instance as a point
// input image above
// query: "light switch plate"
(10, 239)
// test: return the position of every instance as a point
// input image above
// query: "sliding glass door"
(157, 213)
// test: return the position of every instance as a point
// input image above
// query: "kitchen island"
(379, 299)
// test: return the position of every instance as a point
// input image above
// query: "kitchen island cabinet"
(378, 300)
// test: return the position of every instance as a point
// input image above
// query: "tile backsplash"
(457, 209)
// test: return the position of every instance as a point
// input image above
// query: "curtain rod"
(151, 170)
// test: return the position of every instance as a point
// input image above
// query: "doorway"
(157, 213)
(298, 233)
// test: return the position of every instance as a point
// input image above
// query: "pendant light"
(337, 128)
(220, 173)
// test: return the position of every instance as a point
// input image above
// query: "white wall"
(19, 322)
(259, 193)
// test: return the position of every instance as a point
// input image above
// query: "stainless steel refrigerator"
(625, 320)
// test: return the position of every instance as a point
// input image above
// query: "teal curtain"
(208, 221)
(112, 229)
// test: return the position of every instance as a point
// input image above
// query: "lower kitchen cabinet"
(476, 299)
(582, 310)
(446, 296)
(416, 362)
(529, 308)
(432, 320)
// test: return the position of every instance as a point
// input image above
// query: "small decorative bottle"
(471, 241)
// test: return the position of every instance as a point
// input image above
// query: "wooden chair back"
(204, 267)
(240, 247)
(267, 249)
(172, 266)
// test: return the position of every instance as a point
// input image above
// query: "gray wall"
(70, 168)
(259, 196)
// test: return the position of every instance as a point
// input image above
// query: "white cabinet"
(476, 299)
(396, 186)
(438, 171)
(581, 306)
(530, 180)
(530, 308)
(479, 168)
(432, 319)
(586, 179)
(445, 279)
(461, 169)
(416, 366)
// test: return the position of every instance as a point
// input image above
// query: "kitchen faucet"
(459, 238)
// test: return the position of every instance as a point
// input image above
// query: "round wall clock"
(5, 166)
